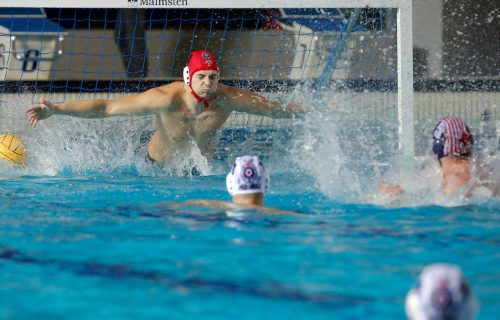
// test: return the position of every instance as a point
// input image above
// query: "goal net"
(349, 58)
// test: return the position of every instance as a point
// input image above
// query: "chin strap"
(200, 99)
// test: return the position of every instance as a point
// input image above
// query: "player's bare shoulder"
(172, 89)
(169, 95)
(227, 96)
(224, 91)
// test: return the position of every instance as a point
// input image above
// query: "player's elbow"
(110, 108)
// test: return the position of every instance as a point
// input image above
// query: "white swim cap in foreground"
(441, 293)
(247, 176)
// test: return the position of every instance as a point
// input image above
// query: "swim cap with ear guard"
(247, 176)
(199, 60)
(451, 136)
(441, 292)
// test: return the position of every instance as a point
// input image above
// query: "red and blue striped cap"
(451, 136)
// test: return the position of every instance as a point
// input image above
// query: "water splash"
(347, 149)
(72, 146)
(318, 151)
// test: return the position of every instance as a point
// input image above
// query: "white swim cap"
(247, 176)
(441, 292)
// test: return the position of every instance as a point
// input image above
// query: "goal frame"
(404, 38)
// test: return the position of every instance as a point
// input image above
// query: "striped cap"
(451, 136)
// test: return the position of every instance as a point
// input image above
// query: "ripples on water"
(111, 246)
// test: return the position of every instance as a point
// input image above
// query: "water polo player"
(441, 292)
(452, 144)
(186, 112)
(247, 182)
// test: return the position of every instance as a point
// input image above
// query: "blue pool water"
(97, 246)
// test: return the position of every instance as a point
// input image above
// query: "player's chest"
(199, 120)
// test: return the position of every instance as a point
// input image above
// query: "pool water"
(95, 246)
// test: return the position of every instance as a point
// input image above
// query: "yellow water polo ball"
(12, 149)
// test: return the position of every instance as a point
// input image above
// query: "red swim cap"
(199, 60)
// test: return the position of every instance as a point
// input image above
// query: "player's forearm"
(294, 109)
(285, 111)
(274, 109)
(246, 101)
(83, 109)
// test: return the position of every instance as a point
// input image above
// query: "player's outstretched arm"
(151, 101)
(249, 102)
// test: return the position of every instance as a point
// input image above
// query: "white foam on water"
(340, 150)
(69, 145)
(330, 145)
(318, 153)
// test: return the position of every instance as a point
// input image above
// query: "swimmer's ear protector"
(199, 60)
(438, 141)
(247, 176)
(185, 74)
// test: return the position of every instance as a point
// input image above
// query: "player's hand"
(42, 111)
(389, 189)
